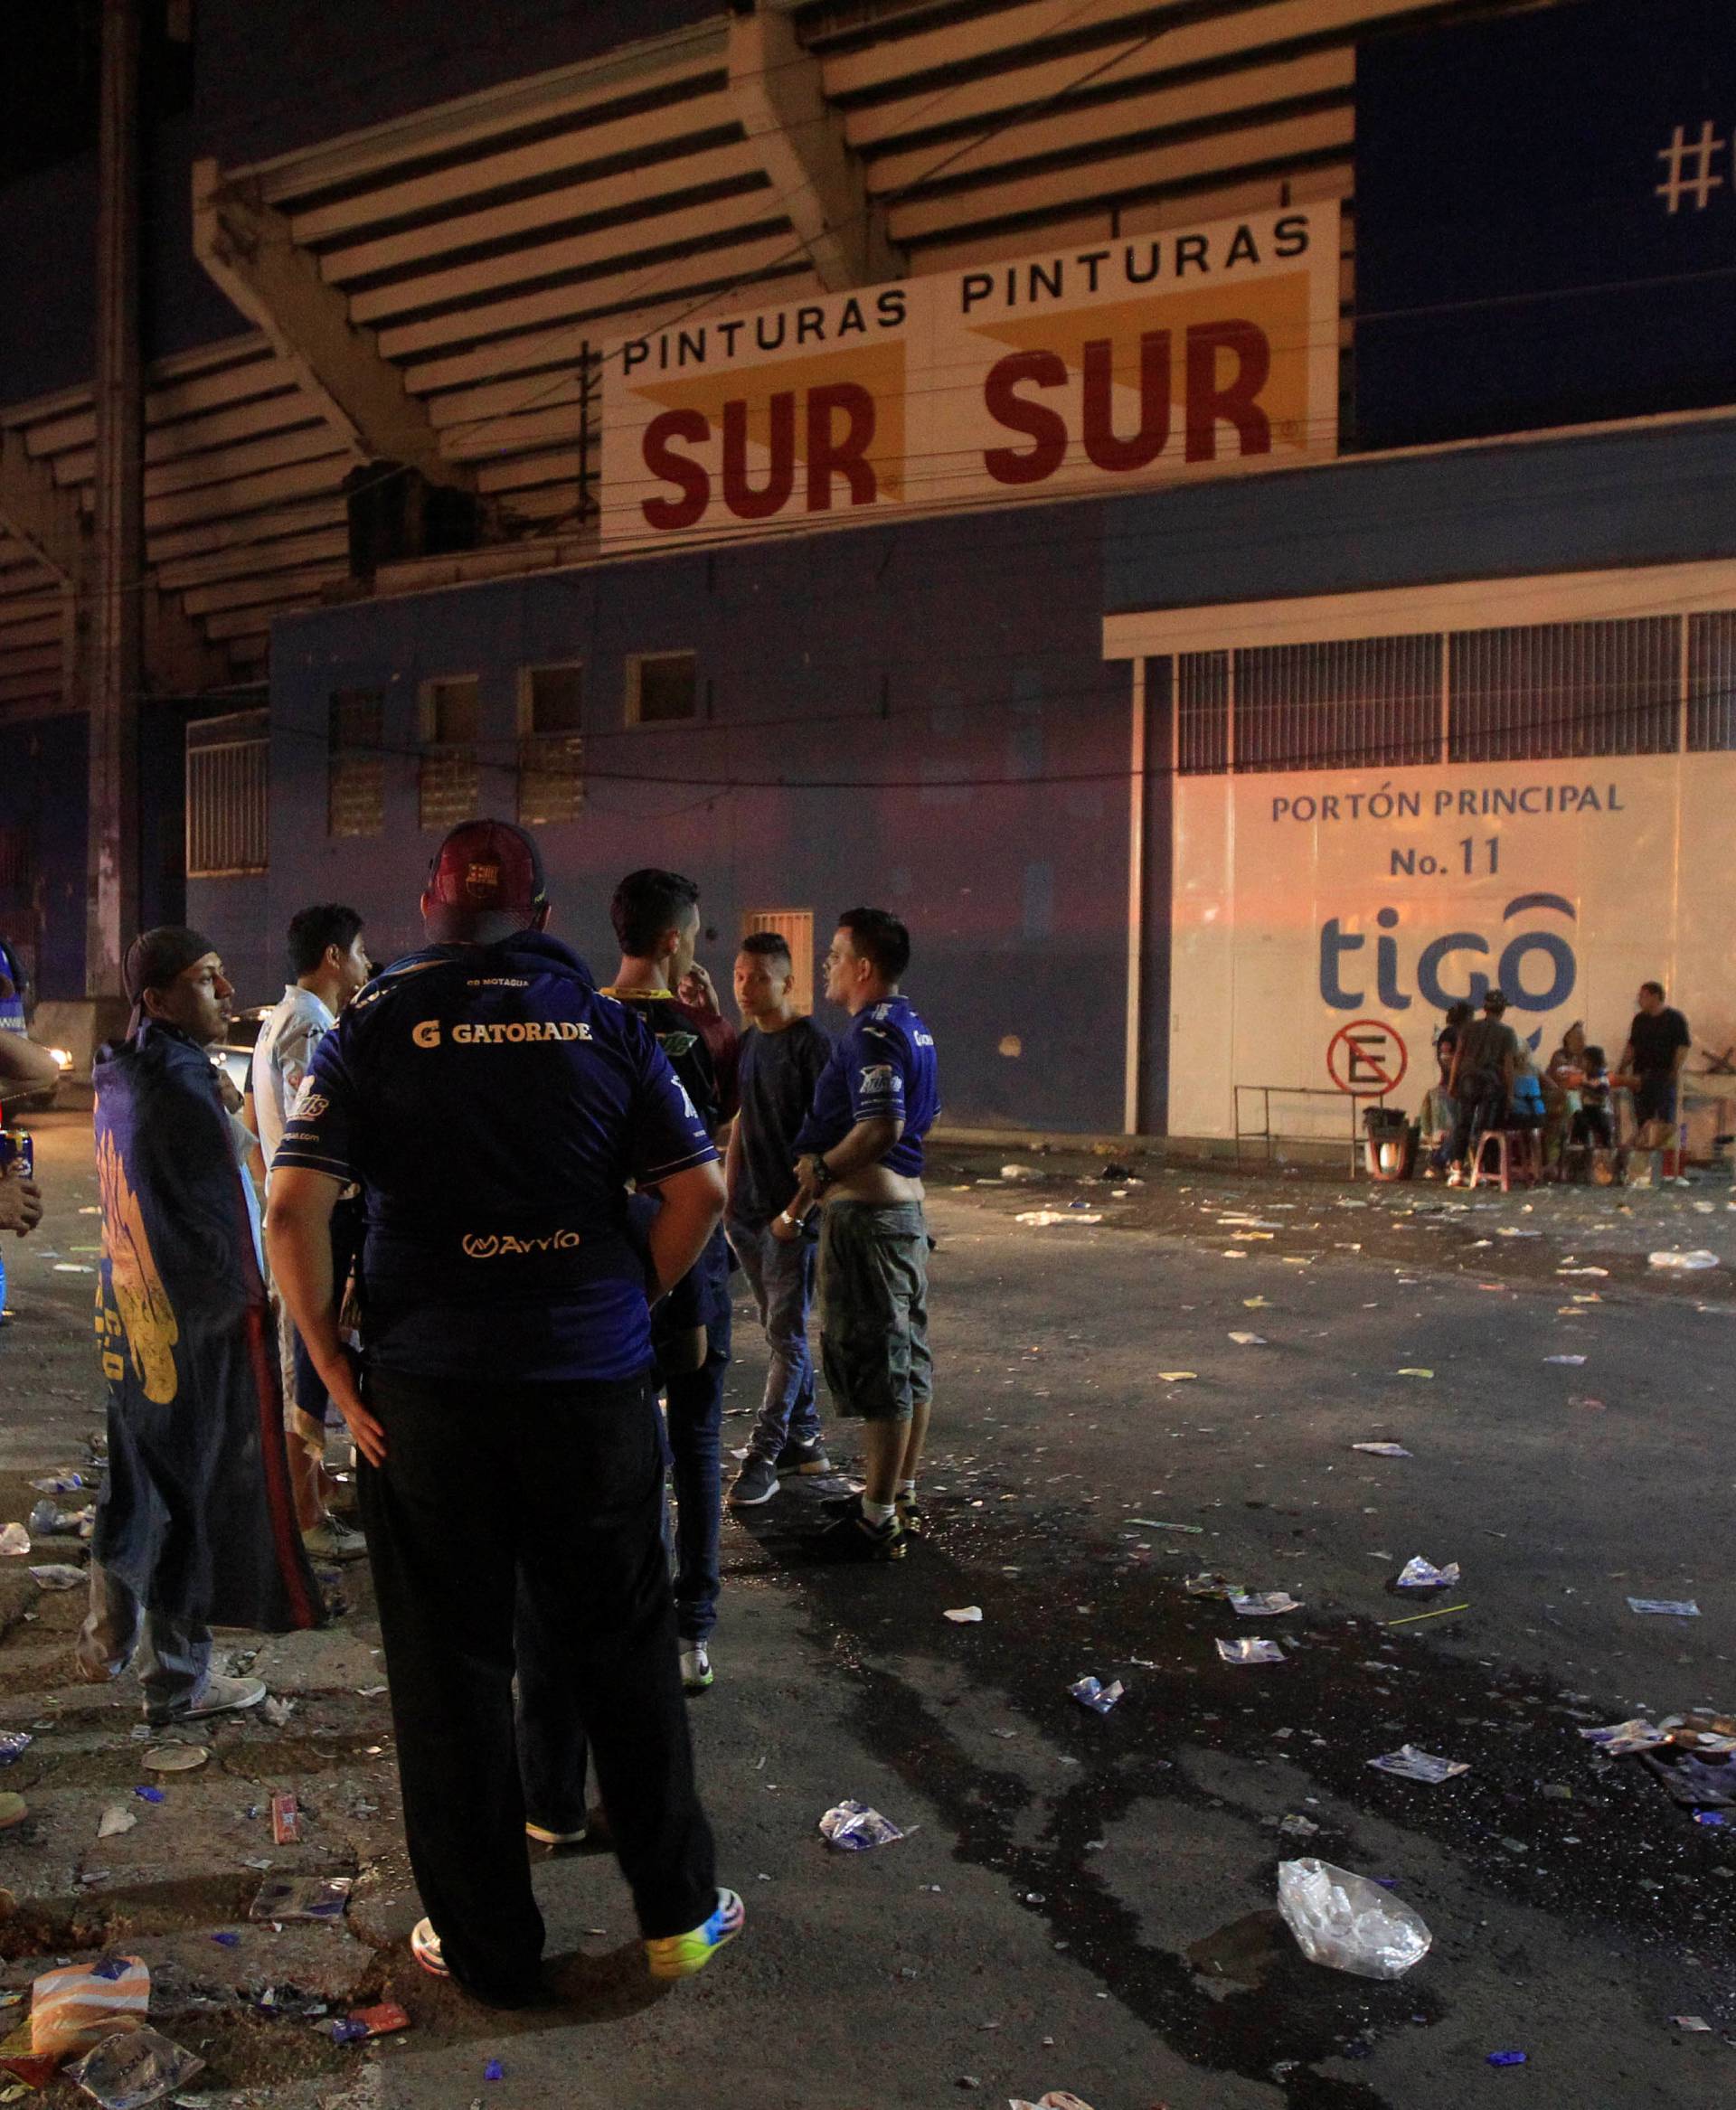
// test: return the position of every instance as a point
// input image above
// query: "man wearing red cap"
(493, 1106)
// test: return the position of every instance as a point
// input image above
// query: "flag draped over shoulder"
(198, 1518)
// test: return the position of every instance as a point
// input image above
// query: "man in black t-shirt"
(1657, 1044)
(655, 915)
(782, 1057)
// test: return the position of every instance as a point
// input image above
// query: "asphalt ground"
(1081, 1901)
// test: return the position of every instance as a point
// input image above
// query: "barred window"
(1356, 704)
(550, 750)
(1203, 713)
(226, 772)
(1712, 682)
(449, 779)
(1544, 690)
(356, 778)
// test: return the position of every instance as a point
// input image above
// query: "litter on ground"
(855, 1827)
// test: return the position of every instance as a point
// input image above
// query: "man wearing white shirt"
(330, 965)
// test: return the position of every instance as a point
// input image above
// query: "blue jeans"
(171, 1656)
(694, 1400)
(782, 1276)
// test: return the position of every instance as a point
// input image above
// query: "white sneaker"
(330, 1541)
(224, 1696)
(697, 1671)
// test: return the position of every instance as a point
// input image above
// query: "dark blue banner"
(197, 1518)
(1546, 219)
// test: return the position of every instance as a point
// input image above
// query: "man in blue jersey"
(862, 1156)
(493, 1106)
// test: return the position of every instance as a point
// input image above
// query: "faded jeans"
(171, 1656)
(782, 1276)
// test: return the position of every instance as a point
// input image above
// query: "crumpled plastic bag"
(1685, 1263)
(1346, 1921)
(126, 2072)
(855, 1827)
(1056, 2099)
(80, 2004)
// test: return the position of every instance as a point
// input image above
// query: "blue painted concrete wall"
(43, 789)
(939, 688)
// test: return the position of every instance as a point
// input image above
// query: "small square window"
(550, 700)
(662, 688)
(451, 712)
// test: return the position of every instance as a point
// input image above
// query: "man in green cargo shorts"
(862, 1156)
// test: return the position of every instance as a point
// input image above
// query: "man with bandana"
(194, 1525)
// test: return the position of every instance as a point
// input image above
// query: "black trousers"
(550, 1494)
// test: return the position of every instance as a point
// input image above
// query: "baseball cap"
(488, 868)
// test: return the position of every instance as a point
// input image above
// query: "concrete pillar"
(114, 579)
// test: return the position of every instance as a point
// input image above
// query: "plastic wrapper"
(291, 1898)
(1418, 1574)
(1685, 1263)
(14, 1744)
(1411, 1764)
(1056, 2099)
(14, 1539)
(1262, 1604)
(1209, 1585)
(1383, 1450)
(1250, 1652)
(1098, 1698)
(57, 1576)
(855, 1827)
(1346, 1921)
(1665, 1607)
(1621, 1737)
(74, 2008)
(127, 2071)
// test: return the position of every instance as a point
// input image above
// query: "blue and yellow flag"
(198, 1518)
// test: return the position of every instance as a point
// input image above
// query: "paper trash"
(1262, 1604)
(1250, 1652)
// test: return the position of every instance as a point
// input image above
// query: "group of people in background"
(1490, 1079)
(503, 1206)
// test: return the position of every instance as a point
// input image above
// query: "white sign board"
(1307, 904)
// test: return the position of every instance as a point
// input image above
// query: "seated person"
(1528, 1107)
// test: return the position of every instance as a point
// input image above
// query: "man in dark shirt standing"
(861, 1155)
(1480, 1083)
(782, 1058)
(1657, 1045)
(655, 915)
(493, 1106)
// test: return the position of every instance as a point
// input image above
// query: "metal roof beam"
(247, 248)
(780, 98)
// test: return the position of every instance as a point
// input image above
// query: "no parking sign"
(1367, 1058)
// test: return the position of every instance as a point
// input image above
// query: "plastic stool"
(1516, 1159)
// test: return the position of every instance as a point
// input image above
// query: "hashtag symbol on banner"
(1687, 168)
